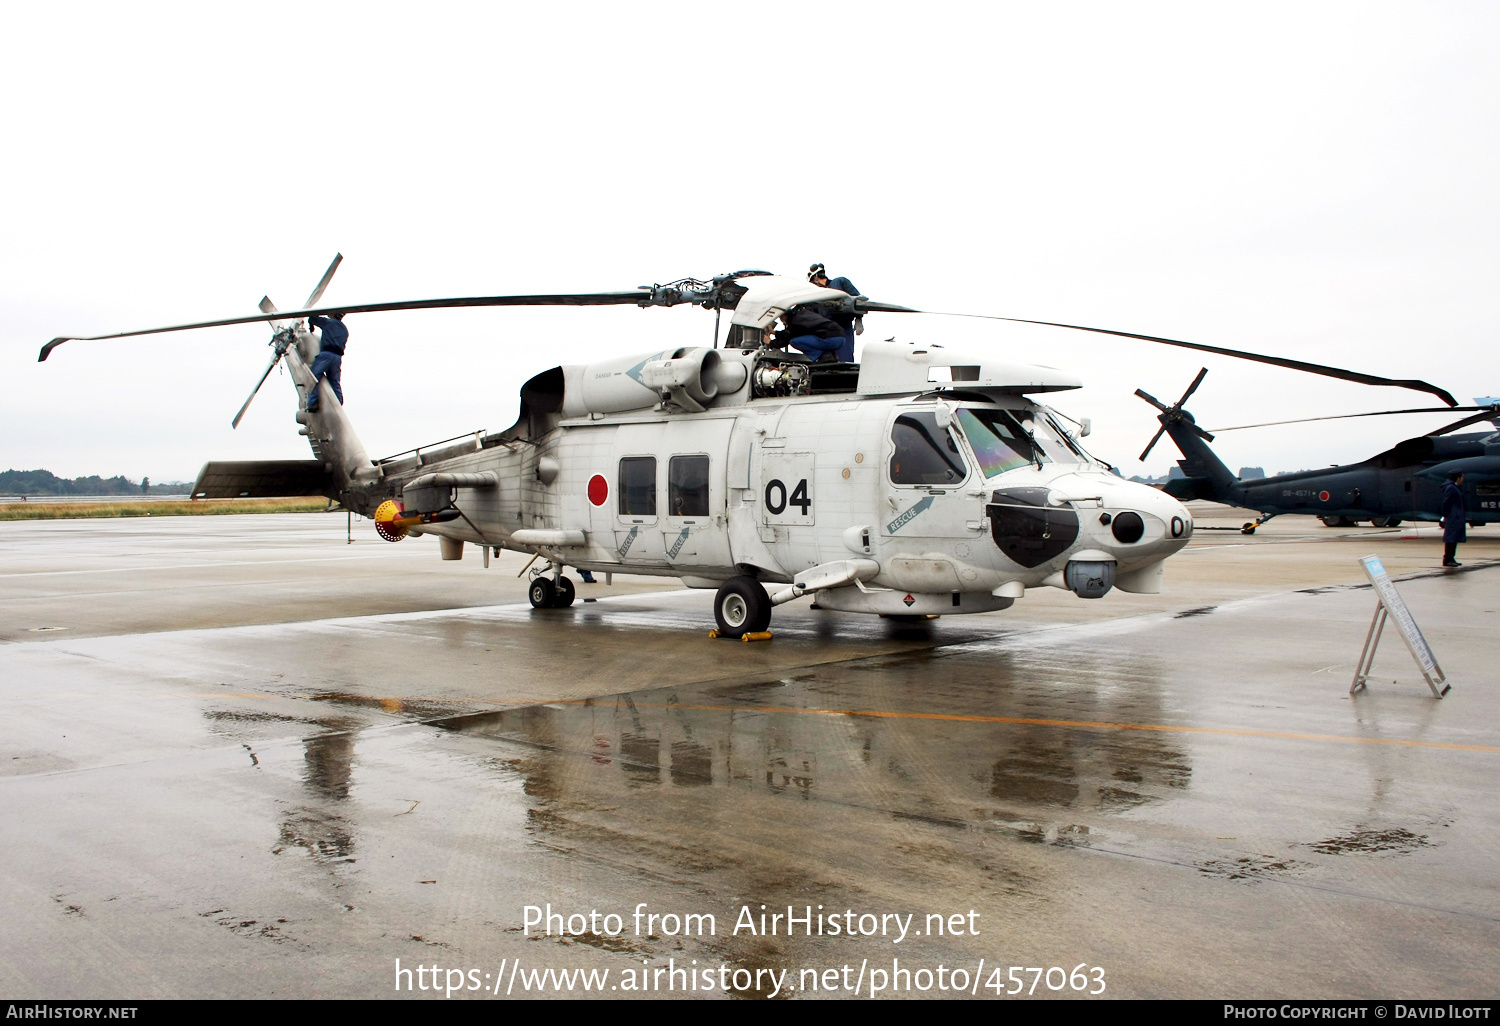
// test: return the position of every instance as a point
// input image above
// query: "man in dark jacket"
(329, 360)
(1454, 519)
(811, 331)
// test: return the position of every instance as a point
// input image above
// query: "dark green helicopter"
(1402, 483)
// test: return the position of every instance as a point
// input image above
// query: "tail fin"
(341, 454)
(328, 430)
(1199, 460)
(1207, 477)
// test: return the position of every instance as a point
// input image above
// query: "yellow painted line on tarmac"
(394, 704)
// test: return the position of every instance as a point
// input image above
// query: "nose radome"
(1151, 503)
(1132, 495)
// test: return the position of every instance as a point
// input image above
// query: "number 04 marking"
(777, 499)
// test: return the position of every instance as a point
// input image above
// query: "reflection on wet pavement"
(891, 735)
(1396, 841)
(313, 825)
(1191, 785)
(330, 762)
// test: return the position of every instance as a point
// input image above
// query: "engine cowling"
(688, 376)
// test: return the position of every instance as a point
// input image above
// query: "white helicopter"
(916, 483)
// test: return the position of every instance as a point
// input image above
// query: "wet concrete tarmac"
(246, 759)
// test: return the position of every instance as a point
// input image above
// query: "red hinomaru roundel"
(598, 490)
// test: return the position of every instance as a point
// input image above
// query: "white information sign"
(1392, 607)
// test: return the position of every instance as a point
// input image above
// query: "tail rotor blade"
(269, 368)
(317, 293)
(266, 306)
(1152, 400)
(1194, 386)
(1147, 451)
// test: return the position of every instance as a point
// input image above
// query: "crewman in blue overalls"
(329, 360)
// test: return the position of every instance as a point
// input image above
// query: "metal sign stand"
(1390, 606)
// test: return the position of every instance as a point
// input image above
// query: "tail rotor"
(1174, 414)
(285, 334)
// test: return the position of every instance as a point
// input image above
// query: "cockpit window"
(999, 441)
(1061, 433)
(1058, 444)
(925, 453)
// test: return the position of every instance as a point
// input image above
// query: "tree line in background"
(44, 482)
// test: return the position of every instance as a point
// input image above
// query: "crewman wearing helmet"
(852, 325)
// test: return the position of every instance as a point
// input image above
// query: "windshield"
(1003, 442)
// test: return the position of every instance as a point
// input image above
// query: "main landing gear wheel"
(543, 593)
(565, 593)
(1386, 522)
(742, 607)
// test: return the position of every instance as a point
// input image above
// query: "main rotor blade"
(1347, 416)
(636, 298)
(1275, 361)
(269, 368)
(1488, 414)
(317, 293)
(669, 295)
(867, 305)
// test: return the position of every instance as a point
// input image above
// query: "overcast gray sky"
(1315, 180)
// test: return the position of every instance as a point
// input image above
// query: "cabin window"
(1000, 443)
(687, 486)
(924, 453)
(638, 486)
